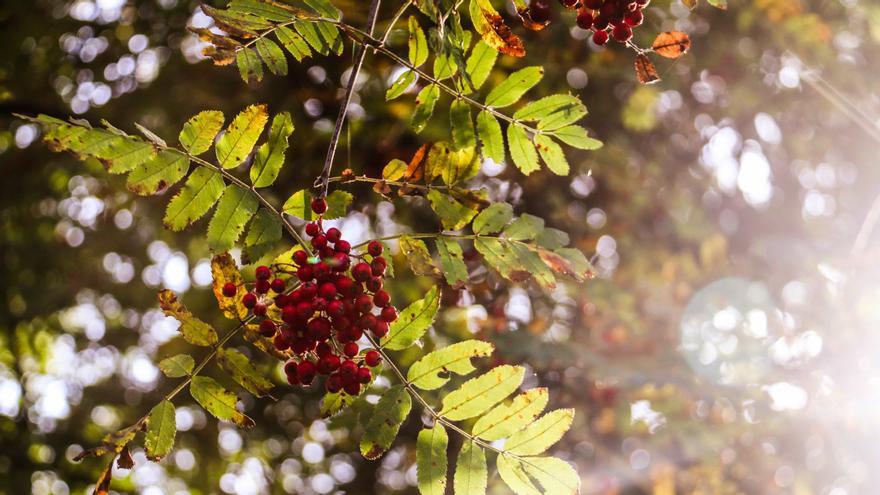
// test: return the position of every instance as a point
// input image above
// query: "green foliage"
(400, 85)
(418, 43)
(236, 207)
(300, 205)
(217, 400)
(177, 366)
(506, 419)
(243, 372)
(193, 330)
(270, 156)
(471, 475)
(452, 262)
(431, 460)
(477, 395)
(541, 434)
(381, 428)
(161, 429)
(434, 370)
(240, 137)
(412, 322)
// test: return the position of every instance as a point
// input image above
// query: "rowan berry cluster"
(336, 297)
(606, 18)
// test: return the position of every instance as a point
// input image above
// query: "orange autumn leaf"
(671, 44)
(645, 70)
(494, 31)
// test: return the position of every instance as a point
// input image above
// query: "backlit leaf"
(493, 219)
(235, 209)
(271, 53)
(553, 112)
(512, 472)
(541, 434)
(576, 137)
(471, 475)
(555, 475)
(199, 132)
(394, 169)
(480, 63)
(425, 102)
(218, 401)
(477, 395)
(434, 369)
(671, 44)
(646, 72)
(431, 460)
(453, 214)
(494, 31)
(199, 193)
(418, 256)
(300, 205)
(161, 430)
(491, 138)
(506, 419)
(243, 372)
(263, 233)
(462, 124)
(381, 429)
(250, 67)
(240, 137)
(270, 156)
(400, 85)
(293, 43)
(522, 150)
(514, 87)
(412, 322)
(177, 366)
(452, 261)
(158, 174)
(524, 228)
(552, 154)
(418, 44)
(531, 262)
(193, 330)
(223, 271)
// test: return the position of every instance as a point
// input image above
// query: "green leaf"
(524, 228)
(718, 4)
(381, 429)
(202, 189)
(263, 233)
(332, 403)
(294, 43)
(470, 470)
(581, 268)
(161, 429)
(400, 85)
(425, 102)
(452, 261)
(270, 155)
(550, 238)
(453, 214)
(552, 112)
(177, 366)
(462, 124)
(511, 89)
(325, 8)
(331, 35)
(313, 36)
(124, 154)
(491, 138)
(243, 372)
(453, 165)
(493, 219)
(511, 471)
(552, 154)
(233, 212)
(499, 255)
(522, 150)
(480, 63)
(534, 265)
(418, 44)
(271, 53)
(151, 136)
(431, 460)
(194, 330)
(444, 66)
(249, 65)
(413, 322)
(223, 271)
(477, 395)
(158, 174)
(555, 475)
(576, 137)
(218, 401)
(417, 255)
(394, 170)
(240, 137)
(300, 205)
(541, 434)
(199, 132)
(277, 11)
(433, 370)
(506, 419)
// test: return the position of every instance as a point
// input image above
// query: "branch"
(323, 181)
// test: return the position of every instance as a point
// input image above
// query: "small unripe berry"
(333, 234)
(267, 328)
(312, 229)
(263, 273)
(350, 349)
(600, 37)
(278, 286)
(374, 248)
(249, 300)
(319, 205)
(229, 289)
(372, 358)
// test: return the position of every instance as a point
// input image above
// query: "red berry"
(381, 299)
(328, 364)
(319, 241)
(333, 234)
(229, 289)
(363, 375)
(282, 300)
(334, 383)
(267, 328)
(622, 33)
(304, 309)
(319, 328)
(348, 368)
(262, 286)
(340, 262)
(343, 246)
(350, 349)
(290, 368)
(334, 308)
(305, 371)
(374, 248)
(568, 3)
(634, 18)
(380, 329)
(305, 273)
(249, 300)
(327, 290)
(319, 205)
(312, 229)
(540, 11)
(593, 4)
(308, 291)
(260, 309)
(321, 270)
(352, 388)
(585, 19)
(278, 286)
(300, 257)
(374, 284)
(378, 266)
(389, 314)
(600, 37)
(263, 273)
(372, 358)
(323, 349)
(281, 343)
(289, 314)
(364, 303)
(361, 272)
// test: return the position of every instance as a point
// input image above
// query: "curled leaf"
(671, 44)
(645, 70)
(494, 31)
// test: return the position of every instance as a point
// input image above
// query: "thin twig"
(323, 181)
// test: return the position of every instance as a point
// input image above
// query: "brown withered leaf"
(382, 188)
(494, 31)
(415, 170)
(671, 44)
(645, 70)
(124, 461)
(525, 15)
(102, 486)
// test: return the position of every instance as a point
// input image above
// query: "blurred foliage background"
(728, 344)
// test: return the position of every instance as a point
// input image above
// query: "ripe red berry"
(305, 273)
(267, 328)
(308, 290)
(350, 349)
(300, 257)
(622, 33)
(540, 11)
(389, 314)
(334, 383)
(263, 273)
(321, 270)
(319, 328)
(568, 3)
(262, 286)
(319, 205)
(381, 299)
(333, 234)
(348, 368)
(281, 342)
(305, 371)
(278, 286)
(600, 37)
(328, 364)
(380, 329)
(634, 18)
(323, 349)
(352, 387)
(304, 309)
(378, 266)
(361, 272)
(340, 262)
(260, 309)
(229, 289)
(290, 368)
(289, 314)
(249, 300)
(374, 284)
(374, 248)
(343, 246)
(372, 358)
(282, 300)
(312, 229)
(593, 4)
(334, 309)
(364, 303)
(363, 375)
(319, 241)
(585, 19)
